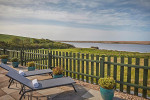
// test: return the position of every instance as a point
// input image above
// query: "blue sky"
(97, 20)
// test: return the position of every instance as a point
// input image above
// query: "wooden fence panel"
(82, 66)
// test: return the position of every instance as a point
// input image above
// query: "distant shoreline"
(112, 42)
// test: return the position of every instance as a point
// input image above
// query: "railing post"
(67, 64)
(21, 57)
(122, 74)
(145, 78)
(4, 51)
(50, 59)
(102, 67)
(97, 68)
(92, 68)
(129, 75)
(87, 68)
(136, 76)
(13, 53)
(108, 66)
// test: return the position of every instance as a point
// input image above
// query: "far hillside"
(14, 42)
(8, 38)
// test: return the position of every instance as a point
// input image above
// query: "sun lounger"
(44, 84)
(27, 73)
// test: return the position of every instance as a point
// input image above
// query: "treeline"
(31, 43)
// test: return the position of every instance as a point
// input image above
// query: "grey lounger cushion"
(27, 73)
(43, 84)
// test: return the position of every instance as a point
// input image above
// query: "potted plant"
(15, 62)
(4, 58)
(31, 66)
(107, 88)
(57, 72)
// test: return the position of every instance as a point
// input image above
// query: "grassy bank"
(8, 38)
(16, 42)
(113, 42)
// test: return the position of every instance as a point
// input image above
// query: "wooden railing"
(132, 75)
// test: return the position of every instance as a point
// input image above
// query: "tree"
(36, 41)
(26, 41)
(3, 44)
(16, 40)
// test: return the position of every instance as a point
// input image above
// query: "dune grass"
(105, 52)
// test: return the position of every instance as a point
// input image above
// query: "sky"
(86, 20)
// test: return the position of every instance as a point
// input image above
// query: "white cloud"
(27, 2)
(16, 12)
(86, 3)
(78, 12)
(111, 16)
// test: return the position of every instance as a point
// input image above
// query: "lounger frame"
(44, 84)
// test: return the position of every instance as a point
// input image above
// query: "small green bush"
(4, 56)
(107, 82)
(14, 60)
(58, 71)
(31, 64)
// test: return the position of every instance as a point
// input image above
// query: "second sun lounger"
(27, 73)
(44, 84)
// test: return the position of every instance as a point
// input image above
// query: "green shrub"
(14, 60)
(4, 56)
(58, 71)
(31, 64)
(107, 82)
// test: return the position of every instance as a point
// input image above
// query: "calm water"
(119, 47)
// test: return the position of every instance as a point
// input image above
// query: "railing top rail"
(97, 61)
(14, 50)
(36, 53)
(128, 65)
